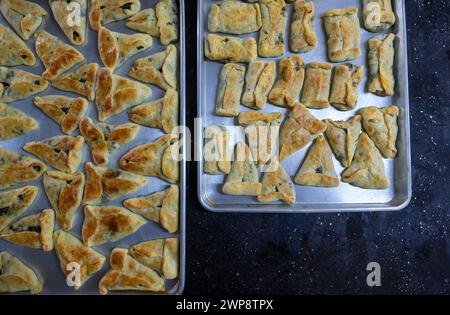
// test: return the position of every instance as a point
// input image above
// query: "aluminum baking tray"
(46, 263)
(312, 199)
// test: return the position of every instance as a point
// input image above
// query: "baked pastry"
(317, 85)
(378, 15)
(344, 87)
(116, 48)
(381, 126)
(229, 91)
(56, 56)
(299, 128)
(76, 30)
(70, 249)
(318, 169)
(25, 17)
(17, 84)
(16, 276)
(128, 274)
(161, 113)
(216, 152)
(18, 168)
(159, 69)
(65, 111)
(64, 191)
(291, 74)
(13, 51)
(243, 178)
(103, 12)
(159, 158)
(272, 33)
(343, 136)
(167, 21)
(277, 185)
(15, 202)
(108, 224)
(234, 17)
(230, 49)
(303, 36)
(367, 168)
(80, 81)
(381, 65)
(14, 122)
(33, 231)
(259, 81)
(343, 34)
(161, 207)
(144, 21)
(106, 184)
(61, 152)
(161, 255)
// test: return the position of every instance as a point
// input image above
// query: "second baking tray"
(312, 199)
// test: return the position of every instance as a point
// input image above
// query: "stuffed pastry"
(13, 51)
(230, 49)
(144, 21)
(17, 85)
(344, 87)
(381, 65)
(75, 30)
(15, 202)
(316, 89)
(303, 36)
(167, 21)
(18, 168)
(272, 34)
(80, 81)
(277, 185)
(378, 15)
(259, 80)
(16, 276)
(231, 83)
(103, 12)
(216, 152)
(14, 122)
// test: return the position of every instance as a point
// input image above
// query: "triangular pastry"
(18, 168)
(80, 81)
(277, 185)
(13, 51)
(167, 21)
(343, 136)
(17, 85)
(103, 12)
(116, 48)
(64, 153)
(243, 176)
(217, 152)
(25, 17)
(14, 122)
(381, 126)
(70, 250)
(128, 274)
(16, 276)
(33, 231)
(158, 158)
(66, 111)
(367, 169)
(56, 56)
(106, 184)
(116, 93)
(15, 202)
(318, 169)
(161, 113)
(103, 139)
(299, 128)
(161, 207)
(62, 12)
(65, 192)
(144, 21)
(159, 69)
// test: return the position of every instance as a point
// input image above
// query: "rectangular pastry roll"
(234, 17)
(291, 73)
(344, 87)
(317, 85)
(230, 90)
(303, 37)
(259, 80)
(216, 152)
(381, 65)
(343, 35)
(271, 35)
(378, 15)
(230, 49)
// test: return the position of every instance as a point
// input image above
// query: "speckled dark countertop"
(307, 254)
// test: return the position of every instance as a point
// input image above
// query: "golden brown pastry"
(15, 202)
(18, 168)
(13, 51)
(381, 65)
(64, 191)
(16, 276)
(61, 152)
(378, 15)
(103, 12)
(303, 37)
(272, 33)
(14, 122)
(17, 85)
(231, 83)
(259, 81)
(318, 169)
(316, 89)
(65, 111)
(167, 21)
(230, 49)
(216, 152)
(344, 87)
(234, 17)
(277, 185)
(104, 139)
(106, 184)
(144, 21)
(161, 207)
(80, 81)
(63, 10)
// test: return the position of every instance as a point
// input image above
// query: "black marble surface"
(328, 253)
